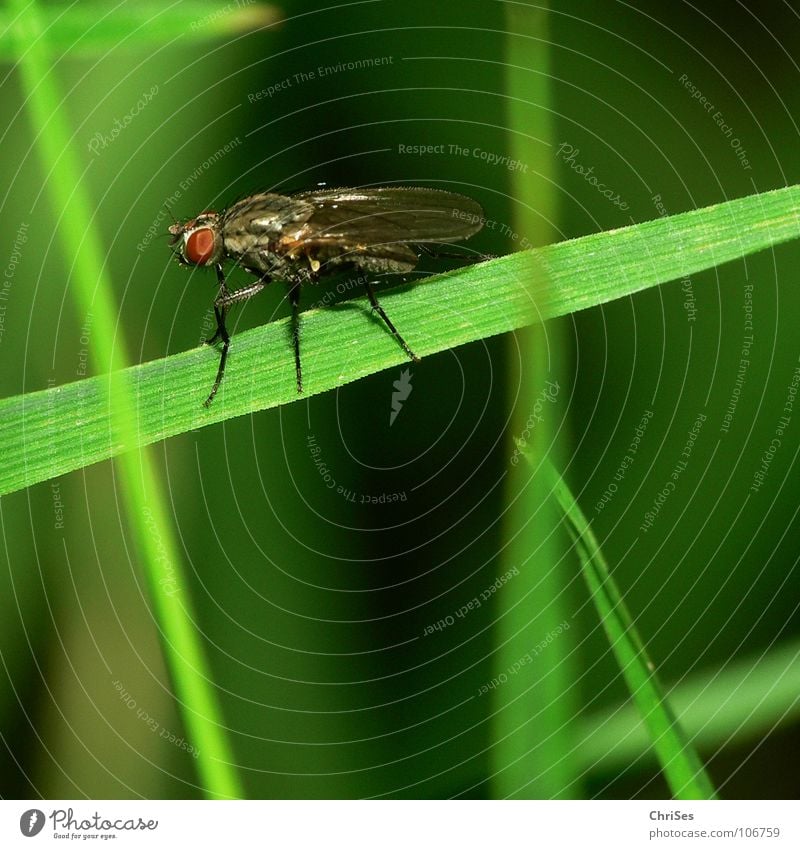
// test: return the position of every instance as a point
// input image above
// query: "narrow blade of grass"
(51, 432)
(143, 495)
(746, 700)
(682, 767)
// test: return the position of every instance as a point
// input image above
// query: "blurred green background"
(312, 604)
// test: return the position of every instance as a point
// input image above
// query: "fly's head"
(197, 241)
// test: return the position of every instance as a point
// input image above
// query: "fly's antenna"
(169, 212)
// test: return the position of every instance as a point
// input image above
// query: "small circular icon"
(31, 822)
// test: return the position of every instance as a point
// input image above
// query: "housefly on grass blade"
(301, 237)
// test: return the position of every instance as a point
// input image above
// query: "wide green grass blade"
(143, 495)
(57, 430)
(97, 29)
(682, 768)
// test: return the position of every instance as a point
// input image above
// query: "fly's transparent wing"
(369, 218)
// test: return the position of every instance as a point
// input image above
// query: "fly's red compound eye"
(200, 246)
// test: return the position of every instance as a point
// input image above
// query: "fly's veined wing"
(385, 215)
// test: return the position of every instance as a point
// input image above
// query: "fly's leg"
(294, 298)
(245, 293)
(226, 343)
(221, 303)
(467, 259)
(221, 333)
(219, 313)
(379, 309)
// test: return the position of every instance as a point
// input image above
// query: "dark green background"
(313, 606)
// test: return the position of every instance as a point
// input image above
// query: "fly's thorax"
(265, 215)
(253, 229)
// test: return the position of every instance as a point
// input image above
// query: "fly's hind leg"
(379, 309)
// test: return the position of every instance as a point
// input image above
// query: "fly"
(302, 237)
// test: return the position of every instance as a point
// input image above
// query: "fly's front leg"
(219, 313)
(221, 332)
(379, 309)
(294, 298)
(221, 303)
